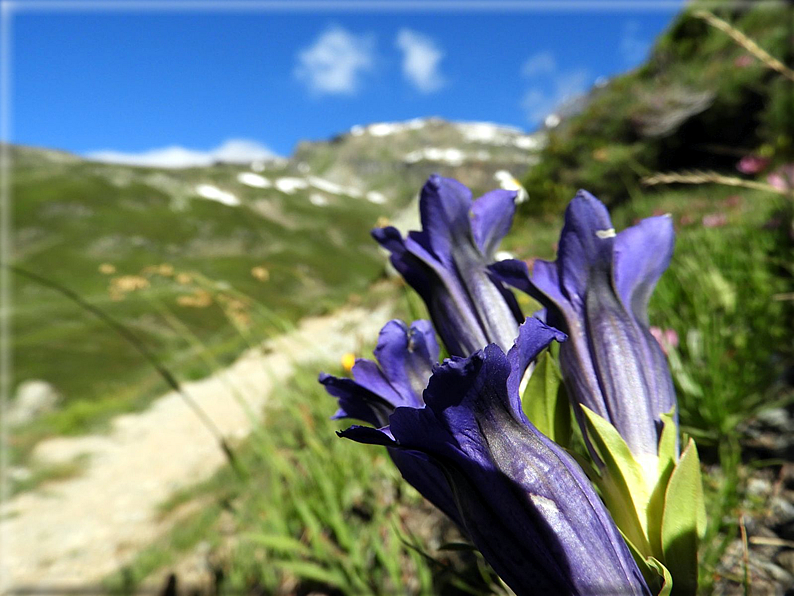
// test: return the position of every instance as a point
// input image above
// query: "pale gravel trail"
(77, 531)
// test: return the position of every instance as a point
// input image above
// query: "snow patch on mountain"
(254, 180)
(289, 185)
(382, 129)
(213, 193)
(333, 187)
(318, 200)
(378, 198)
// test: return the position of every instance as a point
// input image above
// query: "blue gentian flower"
(597, 291)
(524, 501)
(447, 264)
(405, 357)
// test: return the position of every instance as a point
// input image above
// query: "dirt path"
(77, 531)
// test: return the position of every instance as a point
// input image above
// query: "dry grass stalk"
(747, 43)
(701, 177)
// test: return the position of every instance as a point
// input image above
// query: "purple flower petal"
(404, 355)
(369, 435)
(405, 359)
(356, 401)
(526, 504)
(533, 337)
(444, 211)
(585, 244)
(492, 216)
(447, 264)
(597, 292)
(642, 254)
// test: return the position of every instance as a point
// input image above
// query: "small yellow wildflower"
(260, 273)
(107, 269)
(128, 283)
(237, 309)
(348, 360)
(601, 154)
(199, 299)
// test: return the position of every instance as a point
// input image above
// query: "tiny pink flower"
(667, 338)
(782, 178)
(743, 61)
(732, 201)
(752, 164)
(715, 220)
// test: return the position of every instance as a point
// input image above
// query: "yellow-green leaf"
(667, 462)
(668, 440)
(653, 572)
(684, 515)
(666, 579)
(545, 402)
(622, 482)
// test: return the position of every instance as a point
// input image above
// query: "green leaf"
(545, 402)
(390, 563)
(649, 573)
(317, 541)
(667, 442)
(313, 571)
(331, 508)
(655, 574)
(666, 587)
(684, 516)
(667, 462)
(622, 481)
(685, 381)
(280, 543)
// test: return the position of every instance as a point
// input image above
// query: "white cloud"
(633, 48)
(572, 82)
(537, 104)
(421, 61)
(551, 86)
(538, 64)
(230, 151)
(335, 62)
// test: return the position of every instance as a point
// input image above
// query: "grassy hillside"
(701, 101)
(144, 246)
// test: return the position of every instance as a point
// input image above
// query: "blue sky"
(133, 81)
